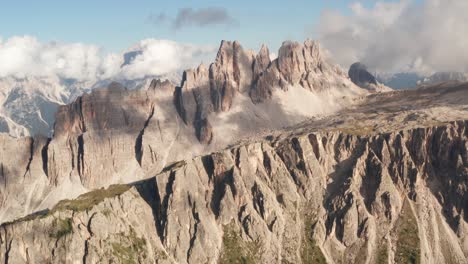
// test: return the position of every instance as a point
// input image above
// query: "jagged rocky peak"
(118, 135)
(262, 61)
(230, 73)
(158, 85)
(296, 60)
(236, 72)
(193, 101)
(360, 76)
(194, 78)
(298, 65)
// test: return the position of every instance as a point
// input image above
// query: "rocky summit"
(363, 78)
(248, 160)
(118, 135)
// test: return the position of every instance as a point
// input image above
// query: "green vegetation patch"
(82, 203)
(130, 249)
(310, 251)
(27, 218)
(61, 228)
(174, 166)
(408, 244)
(382, 253)
(357, 130)
(88, 200)
(236, 250)
(106, 212)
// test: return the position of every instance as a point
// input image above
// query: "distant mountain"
(399, 81)
(411, 80)
(363, 78)
(124, 134)
(28, 105)
(440, 77)
(382, 181)
(245, 160)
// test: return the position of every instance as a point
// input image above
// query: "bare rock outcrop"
(118, 136)
(363, 78)
(237, 72)
(114, 135)
(230, 73)
(321, 197)
(194, 104)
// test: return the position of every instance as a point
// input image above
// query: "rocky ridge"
(124, 135)
(236, 71)
(321, 197)
(379, 178)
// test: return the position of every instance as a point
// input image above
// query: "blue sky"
(115, 25)
(381, 34)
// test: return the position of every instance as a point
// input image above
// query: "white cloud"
(22, 56)
(400, 36)
(159, 57)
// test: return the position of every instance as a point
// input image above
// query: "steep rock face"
(115, 135)
(322, 197)
(230, 73)
(111, 135)
(107, 121)
(86, 152)
(22, 177)
(236, 73)
(297, 64)
(363, 78)
(194, 104)
(360, 75)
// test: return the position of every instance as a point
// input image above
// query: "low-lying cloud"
(189, 17)
(399, 36)
(24, 56)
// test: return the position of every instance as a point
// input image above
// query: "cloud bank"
(187, 17)
(23, 56)
(399, 36)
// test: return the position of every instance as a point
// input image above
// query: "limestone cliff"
(115, 135)
(314, 169)
(320, 197)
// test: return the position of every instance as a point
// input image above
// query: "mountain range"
(245, 160)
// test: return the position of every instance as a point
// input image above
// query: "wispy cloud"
(406, 35)
(189, 17)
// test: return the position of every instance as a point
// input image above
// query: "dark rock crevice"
(221, 181)
(83, 124)
(161, 205)
(371, 180)
(45, 157)
(196, 217)
(208, 165)
(80, 157)
(139, 140)
(179, 104)
(7, 251)
(315, 145)
(258, 200)
(31, 156)
(86, 243)
(3, 175)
